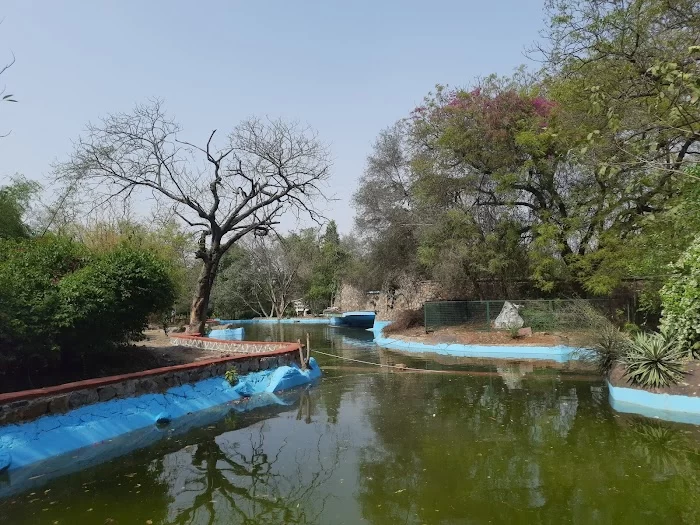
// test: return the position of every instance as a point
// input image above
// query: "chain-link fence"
(539, 314)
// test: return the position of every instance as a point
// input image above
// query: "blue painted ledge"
(275, 320)
(228, 334)
(560, 354)
(682, 409)
(56, 435)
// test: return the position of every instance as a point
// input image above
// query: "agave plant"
(654, 360)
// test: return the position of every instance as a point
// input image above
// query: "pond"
(480, 444)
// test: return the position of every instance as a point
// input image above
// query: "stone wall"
(409, 295)
(31, 404)
(228, 347)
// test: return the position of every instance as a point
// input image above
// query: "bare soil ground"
(690, 386)
(465, 335)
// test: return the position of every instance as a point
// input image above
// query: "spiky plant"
(654, 360)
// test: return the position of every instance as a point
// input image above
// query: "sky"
(347, 69)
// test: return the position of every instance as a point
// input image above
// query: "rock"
(508, 318)
(163, 419)
(525, 332)
(36, 408)
(82, 397)
(106, 393)
(58, 404)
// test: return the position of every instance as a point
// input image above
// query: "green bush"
(540, 318)
(654, 360)
(680, 300)
(110, 299)
(57, 299)
(30, 271)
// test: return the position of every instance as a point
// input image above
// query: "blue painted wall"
(560, 354)
(50, 436)
(682, 409)
(228, 334)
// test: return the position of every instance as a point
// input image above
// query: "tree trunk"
(200, 301)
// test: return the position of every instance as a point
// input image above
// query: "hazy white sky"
(347, 69)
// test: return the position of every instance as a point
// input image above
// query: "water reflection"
(257, 479)
(498, 446)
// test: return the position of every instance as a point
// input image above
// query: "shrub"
(654, 360)
(604, 343)
(30, 271)
(406, 319)
(680, 299)
(231, 376)
(540, 318)
(57, 299)
(110, 299)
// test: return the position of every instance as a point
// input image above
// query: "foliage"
(569, 179)
(15, 200)
(165, 239)
(110, 299)
(327, 270)
(654, 360)
(29, 294)
(55, 295)
(627, 71)
(681, 300)
(604, 344)
(231, 376)
(540, 317)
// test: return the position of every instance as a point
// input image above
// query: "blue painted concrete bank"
(37, 474)
(560, 354)
(274, 320)
(682, 409)
(228, 334)
(50, 436)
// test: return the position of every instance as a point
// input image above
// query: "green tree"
(680, 298)
(328, 269)
(15, 202)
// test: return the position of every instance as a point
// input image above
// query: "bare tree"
(4, 96)
(265, 169)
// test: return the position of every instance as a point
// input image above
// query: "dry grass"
(405, 320)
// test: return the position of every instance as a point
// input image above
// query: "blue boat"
(354, 319)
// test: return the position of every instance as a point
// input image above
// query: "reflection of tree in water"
(251, 481)
(546, 454)
(667, 452)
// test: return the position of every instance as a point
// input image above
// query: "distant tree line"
(573, 180)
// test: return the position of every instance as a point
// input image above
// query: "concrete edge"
(670, 407)
(560, 354)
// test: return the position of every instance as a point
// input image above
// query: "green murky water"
(508, 444)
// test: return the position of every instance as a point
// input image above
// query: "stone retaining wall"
(31, 404)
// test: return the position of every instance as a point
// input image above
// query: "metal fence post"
(488, 315)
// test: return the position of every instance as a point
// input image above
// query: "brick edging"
(108, 380)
